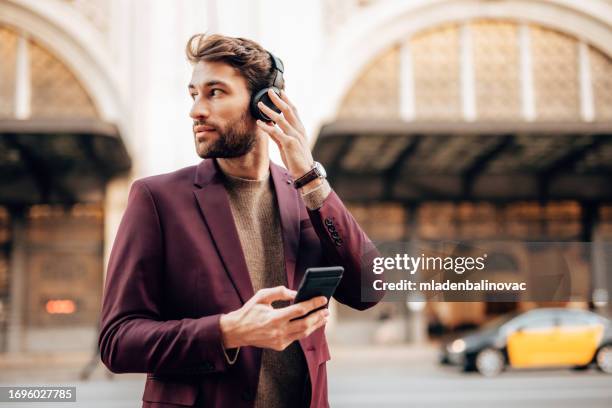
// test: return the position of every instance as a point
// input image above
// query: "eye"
(193, 95)
(215, 92)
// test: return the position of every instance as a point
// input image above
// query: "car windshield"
(498, 321)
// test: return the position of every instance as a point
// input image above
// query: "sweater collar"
(213, 201)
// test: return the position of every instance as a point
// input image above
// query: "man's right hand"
(259, 324)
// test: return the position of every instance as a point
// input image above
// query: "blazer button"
(338, 242)
(335, 235)
(328, 222)
(247, 395)
(208, 366)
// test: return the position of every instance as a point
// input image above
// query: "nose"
(199, 110)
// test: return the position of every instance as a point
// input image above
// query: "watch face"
(320, 170)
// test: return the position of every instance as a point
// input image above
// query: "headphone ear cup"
(262, 96)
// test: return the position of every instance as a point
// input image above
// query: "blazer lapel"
(214, 204)
(289, 210)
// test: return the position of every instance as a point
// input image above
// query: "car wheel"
(604, 359)
(490, 362)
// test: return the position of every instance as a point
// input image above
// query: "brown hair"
(249, 58)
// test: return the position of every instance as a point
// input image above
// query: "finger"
(308, 331)
(278, 101)
(285, 98)
(275, 133)
(300, 309)
(293, 116)
(269, 295)
(303, 325)
(289, 111)
(277, 118)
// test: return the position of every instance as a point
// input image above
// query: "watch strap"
(306, 178)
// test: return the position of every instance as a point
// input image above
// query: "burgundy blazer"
(177, 265)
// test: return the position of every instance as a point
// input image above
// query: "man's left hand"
(289, 134)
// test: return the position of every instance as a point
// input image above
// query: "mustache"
(202, 123)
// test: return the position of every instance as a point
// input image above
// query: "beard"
(236, 139)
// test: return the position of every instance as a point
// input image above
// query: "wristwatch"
(317, 171)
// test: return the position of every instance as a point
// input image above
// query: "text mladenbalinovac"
(458, 265)
(467, 285)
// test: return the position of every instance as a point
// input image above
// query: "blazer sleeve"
(344, 243)
(133, 336)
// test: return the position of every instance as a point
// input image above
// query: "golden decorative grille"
(601, 77)
(8, 54)
(436, 67)
(56, 92)
(555, 74)
(375, 94)
(497, 69)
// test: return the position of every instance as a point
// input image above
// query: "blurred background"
(436, 120)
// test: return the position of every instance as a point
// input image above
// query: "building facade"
(458, 119)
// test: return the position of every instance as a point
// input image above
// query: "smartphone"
(318, 282)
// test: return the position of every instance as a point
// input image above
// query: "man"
(207, 258)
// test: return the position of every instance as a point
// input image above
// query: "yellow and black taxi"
(548, 337)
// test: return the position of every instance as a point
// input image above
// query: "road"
(414, 381)
(395, 377)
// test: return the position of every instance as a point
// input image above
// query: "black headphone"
(262, 95)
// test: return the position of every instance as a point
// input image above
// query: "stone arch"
(73, 40)
(369, 32)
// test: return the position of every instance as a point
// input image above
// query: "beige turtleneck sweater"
(284, 375)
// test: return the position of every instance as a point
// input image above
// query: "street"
(413, 379)
(395, 377)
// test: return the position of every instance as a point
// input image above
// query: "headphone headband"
(262, 94)
(279, 68)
